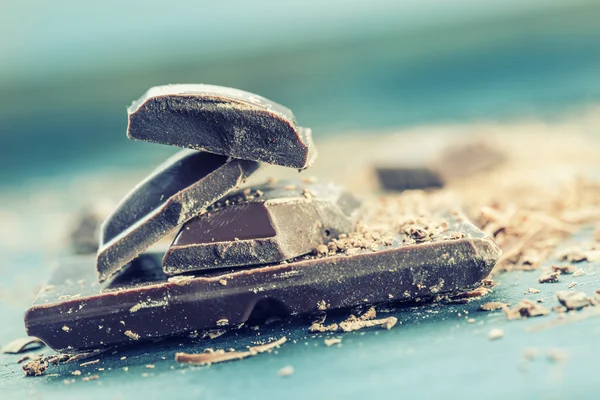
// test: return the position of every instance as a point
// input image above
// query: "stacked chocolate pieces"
(274, 248)
(231, 132)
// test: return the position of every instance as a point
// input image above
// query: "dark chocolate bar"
(262, 225)
(221, 120)
(418, 170)
(421, 257)
(178, 190)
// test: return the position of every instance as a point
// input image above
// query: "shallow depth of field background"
(69, 68)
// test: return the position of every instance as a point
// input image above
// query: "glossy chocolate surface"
(261, 225)
(221, 120)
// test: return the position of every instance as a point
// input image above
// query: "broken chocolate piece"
(178, 190)
(262, 225)
(574, 300)
(221, 120)
(418, 170)
(100, 315)
(22, 345)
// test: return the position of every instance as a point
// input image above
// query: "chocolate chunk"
(147, 304)
(178, 190)
(408, 178)
(221, 120)
(85, 233)
(426, 169)
(261, 225)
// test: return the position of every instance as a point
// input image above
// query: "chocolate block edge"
(299, 225)
(269, 124)
(172, 213)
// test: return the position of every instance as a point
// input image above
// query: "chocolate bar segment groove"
(418, 262)
(178, 190)
(262, 225)
(221, 120)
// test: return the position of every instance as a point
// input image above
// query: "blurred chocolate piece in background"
(425, 168)
(84, 234)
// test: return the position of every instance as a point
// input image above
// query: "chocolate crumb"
(286, 371)
(531, 353)
(90, 378)
(35, 367)
(308, 194)
(579, 272)
(492, 306)
(488, 283)
(150, 366)
(89, 363)
(331, 341)
(180, 280)
(223, 282)
(318, 327)
(574, 300)
(572, 285)
(525, 309)
(38, 365)
(214, 333)
(369, 314)
(549, 278)
(563, 269)
(313, 179)
(135, 308)
(321, 250)
(222, 356)
(533, 290)
(131, 335)
(471, 295)
(495, 334)
(354, 324)
(24, 358)
(76, 372)
(557, 355)
(322, 305)
(559, 309)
